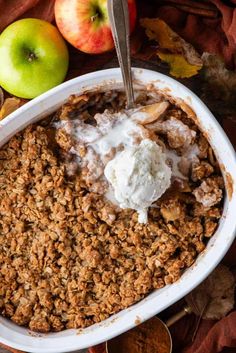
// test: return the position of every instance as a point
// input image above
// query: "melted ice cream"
(133, 170)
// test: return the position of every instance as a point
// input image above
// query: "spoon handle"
(171, 321)
(118, 13)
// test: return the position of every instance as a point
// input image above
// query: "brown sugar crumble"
(68, 257)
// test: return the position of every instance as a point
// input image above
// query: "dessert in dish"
(99, 206)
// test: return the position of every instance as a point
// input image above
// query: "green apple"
(33, 58)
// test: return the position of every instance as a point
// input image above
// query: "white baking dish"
(69, 340)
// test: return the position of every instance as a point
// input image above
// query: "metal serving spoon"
(118, 13)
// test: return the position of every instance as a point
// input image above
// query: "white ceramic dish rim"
(69, 340)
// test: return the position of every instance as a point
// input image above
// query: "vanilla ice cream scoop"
(139, 175)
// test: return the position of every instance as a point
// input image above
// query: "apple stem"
(93, 18)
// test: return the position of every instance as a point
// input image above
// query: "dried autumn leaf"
(183, 59)
(179, 67)
(213, 298)
(218, 86)
(9, 106)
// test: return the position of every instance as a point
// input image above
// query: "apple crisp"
(69, 256)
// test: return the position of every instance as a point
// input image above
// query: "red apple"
(85, 23)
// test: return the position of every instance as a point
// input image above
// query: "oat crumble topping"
(70, 258)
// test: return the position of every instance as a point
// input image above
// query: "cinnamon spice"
(149, 337)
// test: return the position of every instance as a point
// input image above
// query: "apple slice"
(149, 113)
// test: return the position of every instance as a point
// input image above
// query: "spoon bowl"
(153, 334)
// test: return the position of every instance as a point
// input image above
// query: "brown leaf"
(215, 294)
(219, 86)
